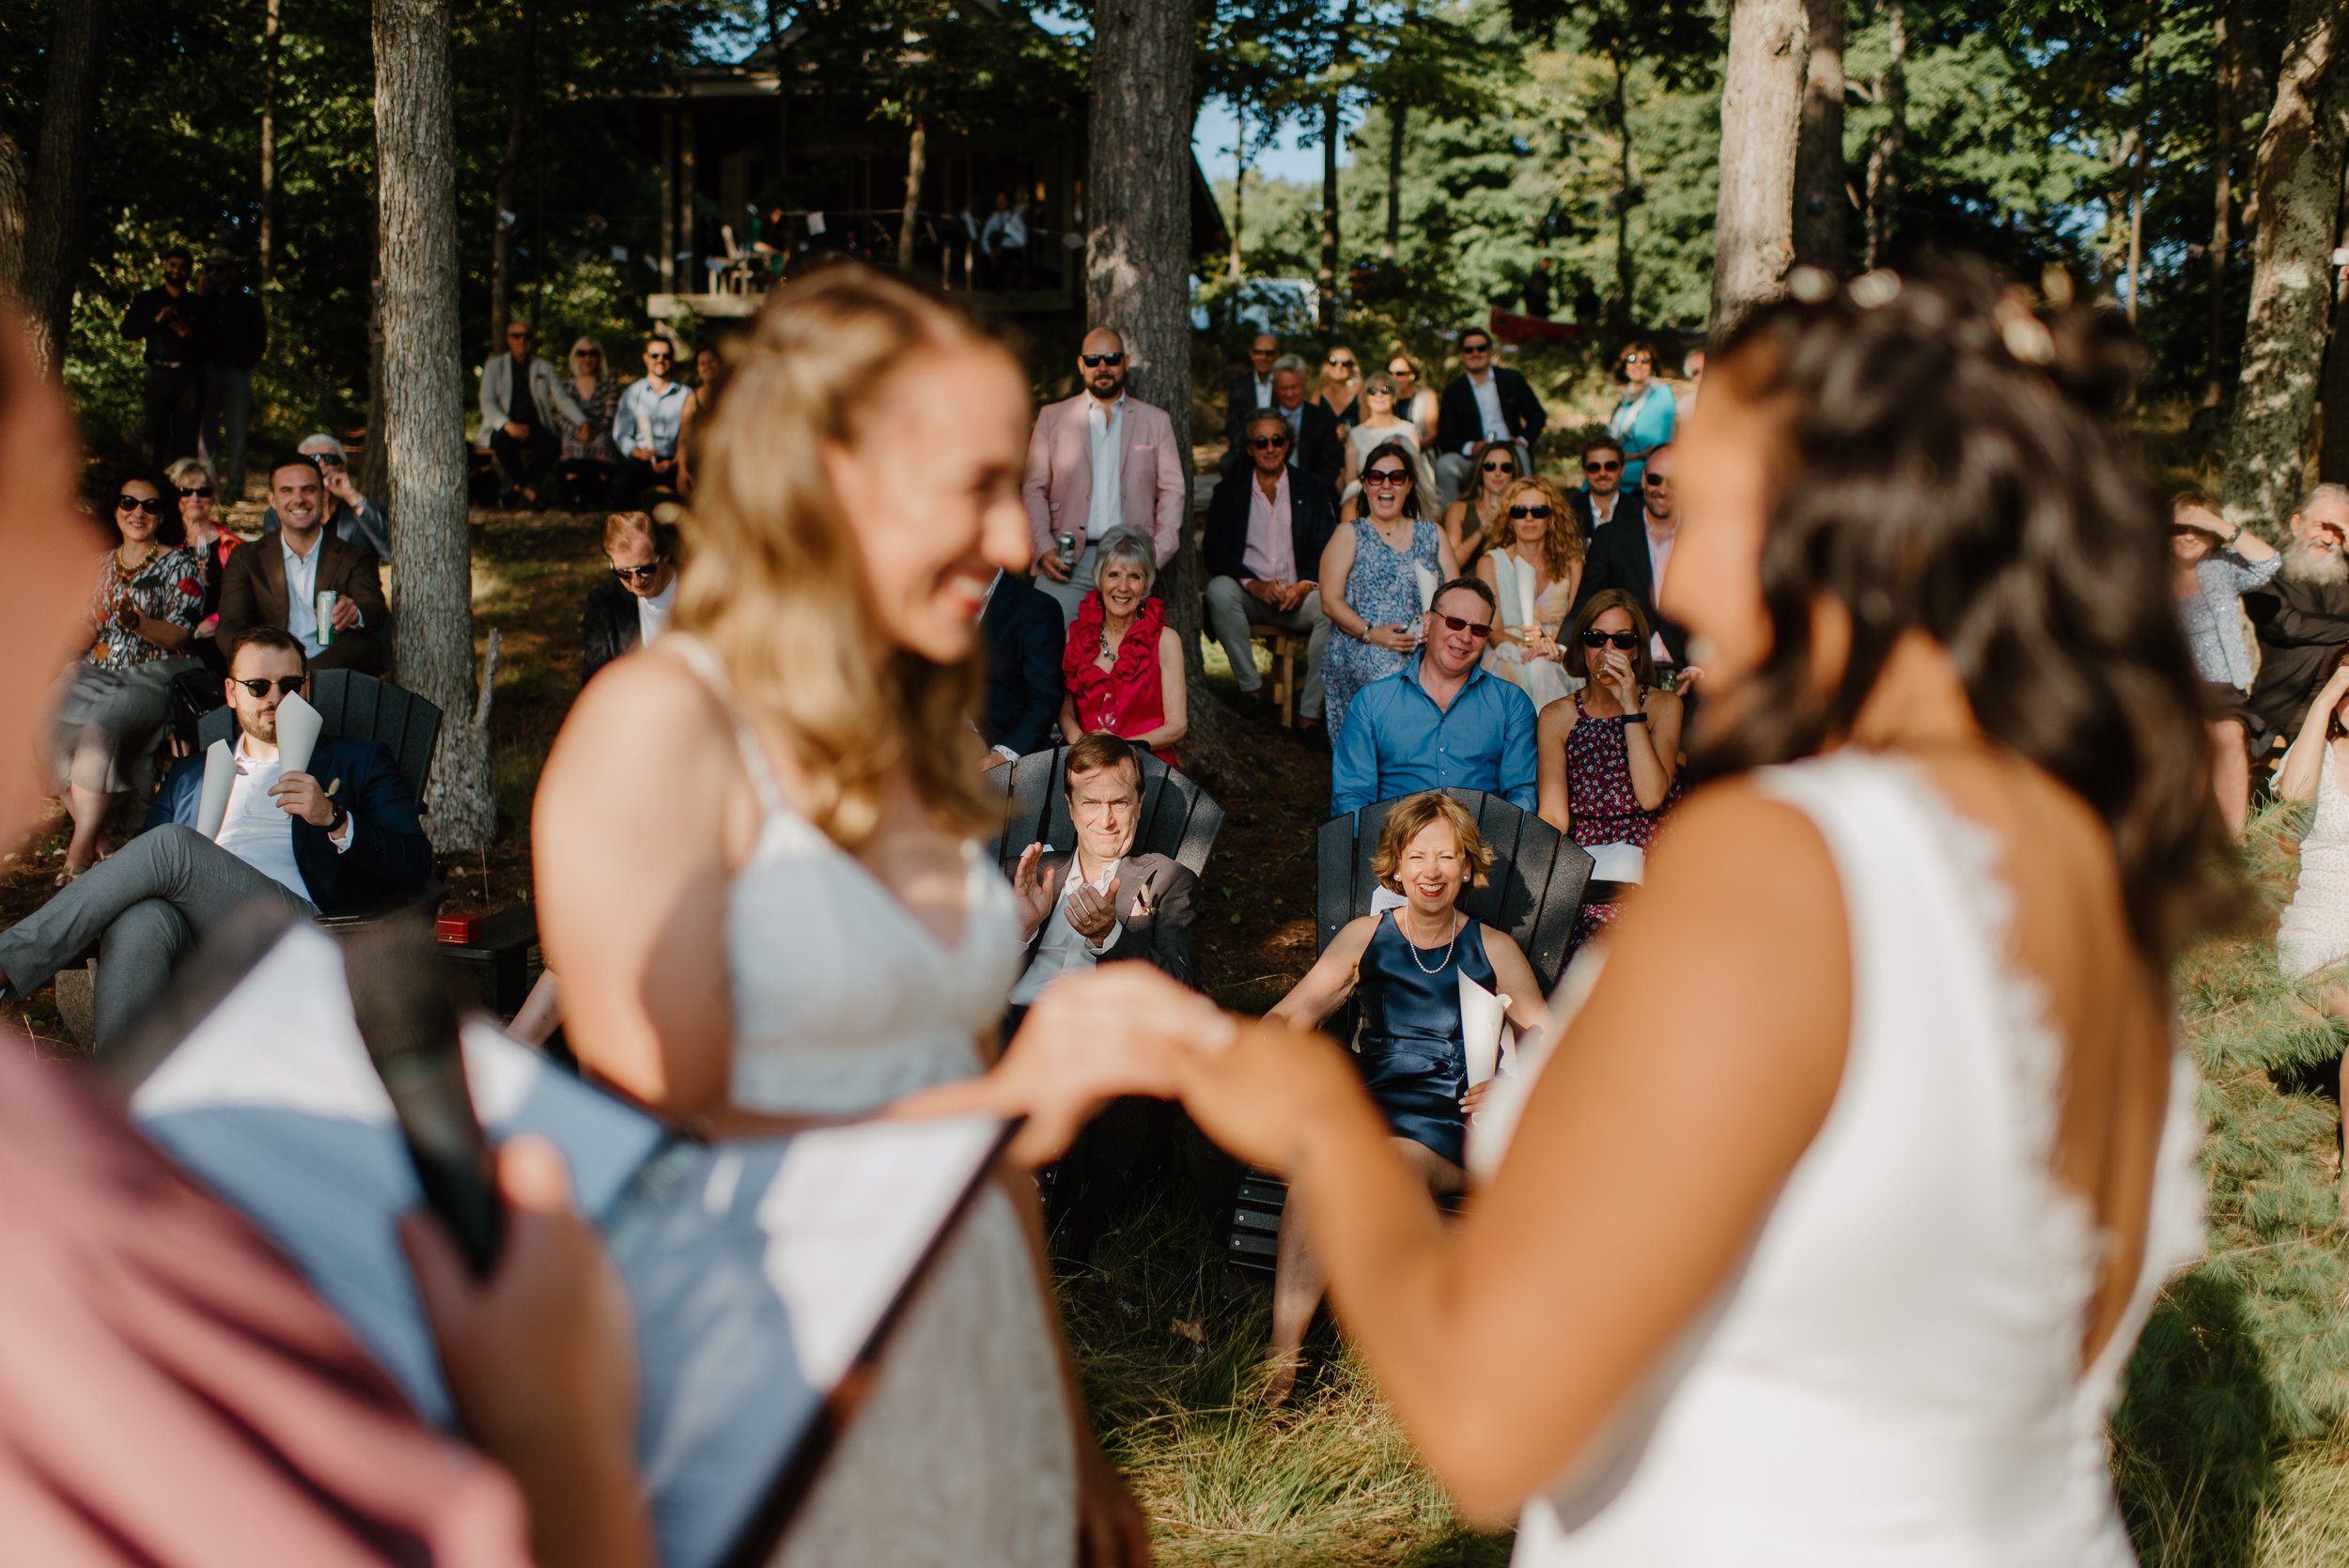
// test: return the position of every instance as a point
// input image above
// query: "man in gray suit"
(522, 401)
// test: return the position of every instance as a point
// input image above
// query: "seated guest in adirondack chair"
(341, 838)
(632, 606)
(1406, 965)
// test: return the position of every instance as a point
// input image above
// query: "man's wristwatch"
(334, 823)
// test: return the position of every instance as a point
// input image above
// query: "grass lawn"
(2232, 1448)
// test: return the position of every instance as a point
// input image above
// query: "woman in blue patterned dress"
(1370, 582)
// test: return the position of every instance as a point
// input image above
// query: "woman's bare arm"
(1655, 757)
(1174, 694)
(1549, 762)
(1068, 730)
(1330, 980)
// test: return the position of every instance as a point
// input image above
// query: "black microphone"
(400, 992)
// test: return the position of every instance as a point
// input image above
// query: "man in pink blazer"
(1101, 429)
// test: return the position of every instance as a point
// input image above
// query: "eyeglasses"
(1516, 512)
(287, 686)
(658, 356)
(1615, 467)
(153, 505)
(585, 353)
(1263, 353)
(1268, 444)
(1626, 641)
(638, 574)
(1479, 629)
(1656, 481)
(1385, 476)
(203, 491)
(1501, 465)
(1639, 358)
(1476, 348)
(1338, 363)
(1094, 362)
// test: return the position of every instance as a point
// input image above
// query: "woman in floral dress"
(1372, 586)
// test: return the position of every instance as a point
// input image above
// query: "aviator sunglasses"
(638, 574)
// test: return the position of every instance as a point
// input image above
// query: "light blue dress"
(1382, 589)
(1642, 422)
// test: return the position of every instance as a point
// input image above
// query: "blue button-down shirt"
(648, 418)
(1398, 741)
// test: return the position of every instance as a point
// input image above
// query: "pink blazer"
(1058, 484)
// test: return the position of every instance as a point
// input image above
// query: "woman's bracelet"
(1638, 718)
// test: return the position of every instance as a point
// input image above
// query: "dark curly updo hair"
(1950, 468)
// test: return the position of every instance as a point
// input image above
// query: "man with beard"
(1099, 463)
(341, 838)
(2301, 617)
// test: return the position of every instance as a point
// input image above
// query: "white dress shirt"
(1105, 509)
(258, 830)
(1064, 948)
(1488, 406)
(302, 593)
(654, 612)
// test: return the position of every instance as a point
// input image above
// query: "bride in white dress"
(1827, 1226)
(756, 878)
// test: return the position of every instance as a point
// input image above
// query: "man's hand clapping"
(1093, 913)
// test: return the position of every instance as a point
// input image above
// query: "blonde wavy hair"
(1561, 546)
(774, 586)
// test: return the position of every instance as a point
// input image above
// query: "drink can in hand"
(327, 598)
(1068, 551)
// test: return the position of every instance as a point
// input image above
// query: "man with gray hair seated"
(2301, 617)
(1315, 443)
(349, 515)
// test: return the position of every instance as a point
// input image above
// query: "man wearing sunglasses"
(341, 837)
(1485, 402)
(1249, 392)
(633, 607)
(1267, 526)
(1440, 721)
(1600, 498)
(521, 398)
(1633, 552)
(284, 580)
(1099, 463)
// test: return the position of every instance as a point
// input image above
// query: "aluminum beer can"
(327, 598)
(1068, 551)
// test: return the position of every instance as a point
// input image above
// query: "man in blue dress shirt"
(1439, 722)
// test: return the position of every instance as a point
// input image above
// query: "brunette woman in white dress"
(1827, 1226)
(800, 922)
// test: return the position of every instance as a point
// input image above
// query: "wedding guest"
(1440, 721)
(1413, 1052)
(1632, 554)
(1339, 391)
(349, 515)
(279, 582)
(1692, 377)
(1602, 498)
(1266, 529)
(116, 699)
(1123, 664)
(1531, 560)
(1645, 412)
(229, 342)
(1024, 637)
(806, 925)
(524, 409)
(165, 320)
(1376, 575)
(1414, 400)
(2313, 933)
(633, 607)
(1471, 518)
(1378, 424)
(202, 537)
(1314, 438)
(1099, 462)
(1248, 393)
(584, 473)
(2302, 616)
(1484, 403)
(1609, 767)
(644, 425)
(707, 367)
(2220, 562)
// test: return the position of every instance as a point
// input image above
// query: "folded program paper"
(298, 727)
(220, 774)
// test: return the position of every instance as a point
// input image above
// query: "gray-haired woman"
(1124, 665)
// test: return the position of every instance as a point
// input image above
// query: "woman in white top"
(805, 925)
(1827, 1228)
(1380, 423)
(1533, 561)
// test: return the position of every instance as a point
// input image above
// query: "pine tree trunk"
(2145, 153)
(1619, 318)
(505, 219)
(1329, 278)
(51, 260)
(422, 388)
(15, 196)
(917, 164)
(1138, 259)
(2227, 48)
(1398, 114)
(1819, 200)
(1761, 94)
(1884, 157)
(2297, 177)
(272, 29)
(1239, 192)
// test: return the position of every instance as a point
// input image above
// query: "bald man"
(1097, 462)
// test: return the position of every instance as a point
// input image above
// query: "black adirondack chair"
(1179, 819)
(1534, 893)
(358, 707)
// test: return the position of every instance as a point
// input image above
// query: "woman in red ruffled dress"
(1124, 665)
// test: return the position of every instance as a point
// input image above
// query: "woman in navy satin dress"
(1404, 965)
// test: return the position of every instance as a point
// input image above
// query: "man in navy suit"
(1024, 639)
(341, 838)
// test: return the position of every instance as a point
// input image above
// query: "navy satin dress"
(1413, 1056)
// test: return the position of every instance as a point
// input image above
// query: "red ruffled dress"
(1128, 698)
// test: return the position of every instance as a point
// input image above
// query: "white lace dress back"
(1892, 1378)
(844, 1001)
(2313, 934)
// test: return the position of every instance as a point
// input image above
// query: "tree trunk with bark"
(271, 31)
(1398, 114)
(1138, 260)
(15, 197)
(51, 260)
(2227, 48)
(423, 387)
(917, 165)
(1329, 277)
(1820, 203)
(504, 219)
(2142, 157)
(2296, 175)
(2332, 445)
(1762, 93)
(1884, 154)
(1239, 192)
(1619, 316)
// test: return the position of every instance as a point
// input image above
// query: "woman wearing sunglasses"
(149, 597)
(1413, 401)
(1469, 520)
(1644, 415)
(1340, 387)
(1376, 574)
(1380, 425)
(590, 462)
(1532, 558)
(208, 542)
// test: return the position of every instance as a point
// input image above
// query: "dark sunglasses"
(1656, 478)
(1602, 468)
(1263, 353)
(638, 574)
(1266, 444)
(1094, 362)
(1402, 372)
(660, 356)
(152, 506)
(287, 686)
(1501, 465)
(519, 337)
(1479, 629)
(1340, 364)
(204, 491)
(1626, 641)
(1516, 512)
(585, 353)
(1385, 476)
(1639, 358)
(1476, 348)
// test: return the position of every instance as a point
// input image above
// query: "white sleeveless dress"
(842, 1002)
(2313, 933)
(1892, 1378)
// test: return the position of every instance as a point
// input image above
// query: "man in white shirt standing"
(1097, 462)
(1485, 402)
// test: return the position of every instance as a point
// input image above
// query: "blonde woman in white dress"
(1827, 1226)
(803, 925)
(1533, 562)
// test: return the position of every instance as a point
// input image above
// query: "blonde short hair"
(1414, 812)
(191, 472)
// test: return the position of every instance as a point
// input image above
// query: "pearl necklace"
(1441, 963)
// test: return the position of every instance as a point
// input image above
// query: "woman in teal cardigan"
(1644, 415)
